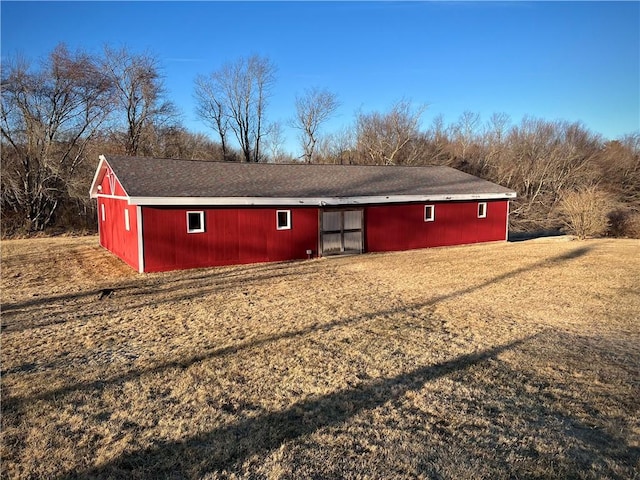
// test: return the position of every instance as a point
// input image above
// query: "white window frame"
(431, 209)
(103, 213)
(200, 213)
(127, 225)
(288, 224)
(482, 209)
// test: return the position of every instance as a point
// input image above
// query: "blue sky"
(554, 60)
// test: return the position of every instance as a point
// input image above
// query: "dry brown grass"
(516, 360)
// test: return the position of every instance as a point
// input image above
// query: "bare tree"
(436, 143)
(544, 159)
(274, 143)
(465, 132)
(177, 142)
(313, 108)
(385, 138)
(619, 162)
(140, 95)
(619, 166)
(337, 147)
(239, 93)
(211, 107)
(48, 117)
(493, 140)
(497, 127)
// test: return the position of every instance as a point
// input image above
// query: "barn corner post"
(140, 239)
(506, 234)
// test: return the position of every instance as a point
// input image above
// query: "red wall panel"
(402, 227)
(113, 234)
(231, 236)
(110, 185)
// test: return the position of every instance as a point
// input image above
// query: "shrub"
(585, 212)
(632, 225)
(624, 222)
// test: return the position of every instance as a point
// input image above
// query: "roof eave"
(314, 201)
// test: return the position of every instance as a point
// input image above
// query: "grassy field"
(509, 360)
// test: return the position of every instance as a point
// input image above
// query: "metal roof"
(164, 181)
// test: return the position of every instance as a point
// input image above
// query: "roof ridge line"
(201, 160)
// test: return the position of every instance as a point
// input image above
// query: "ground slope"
(488, 361)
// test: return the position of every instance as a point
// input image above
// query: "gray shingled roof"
(159, 177)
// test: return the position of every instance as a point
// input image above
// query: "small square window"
(283, 219)
(195, 222)
(482, 210)
(429, 213)
(127, 226)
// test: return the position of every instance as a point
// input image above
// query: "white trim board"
(115, 197)
(506, 228)
(140, 239)
(313, 202)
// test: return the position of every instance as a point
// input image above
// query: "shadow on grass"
(87, 300)
(590, 442)
(154, 281)
(12, 403)
(226, 446)
(183, 363)
(182, 288)
(223, 447)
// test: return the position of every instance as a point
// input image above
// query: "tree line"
(58, 115)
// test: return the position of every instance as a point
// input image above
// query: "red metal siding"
(231, 236)
(113, 234)
(110, 185)
(402, 227)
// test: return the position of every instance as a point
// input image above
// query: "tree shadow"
(182, 363)
(223, 447)
(13, 403)
(181, 286)
(570, 418)
(153, 281)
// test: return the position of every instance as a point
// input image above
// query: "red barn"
(161, 214)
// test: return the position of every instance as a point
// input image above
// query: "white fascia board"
(312, 202)
(97, 178)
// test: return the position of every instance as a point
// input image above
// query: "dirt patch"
(506, 360)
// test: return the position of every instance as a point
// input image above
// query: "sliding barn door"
(341, 231)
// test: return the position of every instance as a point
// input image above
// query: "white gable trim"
(313, 202)
(97, 178)
(94, 192)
